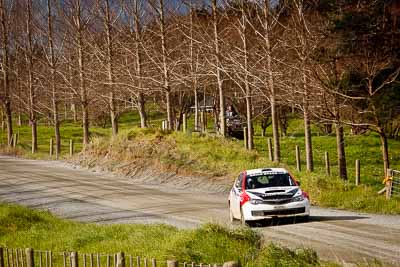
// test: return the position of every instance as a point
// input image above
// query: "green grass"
(216, 157)
(21, 227)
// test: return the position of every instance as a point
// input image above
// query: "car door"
(236, 191)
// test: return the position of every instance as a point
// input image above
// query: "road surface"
(88, 196)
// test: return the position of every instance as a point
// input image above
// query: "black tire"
(306, 218)
(302, 219)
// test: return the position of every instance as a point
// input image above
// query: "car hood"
(274, 192)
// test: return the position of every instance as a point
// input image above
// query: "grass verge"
(21, 227)
(217, 157)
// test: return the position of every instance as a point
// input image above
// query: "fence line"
(17, 257)
(393, 184)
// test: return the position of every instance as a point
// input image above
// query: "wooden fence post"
(357, 172)
(51, 147)
(172, 263)
(298, 162)
(245, 138)
(30, 262)
(270, 154)
(389, 173)
(327, 164)
(120, 259)
(74, 259)
(1, 257)
(153, 263)
(184, 122)
(71, 147)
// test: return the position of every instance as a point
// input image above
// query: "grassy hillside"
(21, 227)
(212, 156)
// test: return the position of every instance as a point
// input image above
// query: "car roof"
(266, 171)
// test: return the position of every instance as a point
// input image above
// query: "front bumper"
(253, 212)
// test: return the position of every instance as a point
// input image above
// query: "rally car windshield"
(269, 180)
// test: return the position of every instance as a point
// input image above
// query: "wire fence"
(395, 184)
(17, 257)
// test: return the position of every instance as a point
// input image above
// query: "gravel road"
(87, 196)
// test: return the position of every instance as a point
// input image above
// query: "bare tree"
(160, 10)
(5, 68)
(31, 88)
(218, 68)
(53, 83)
(270, 80)
(79, 26)
(139, 62)
(304, 50)
(108, 25)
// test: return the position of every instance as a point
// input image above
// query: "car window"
(269, 180)
(238, 183)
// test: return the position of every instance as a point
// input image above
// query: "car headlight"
(256, 201)
(298, 198)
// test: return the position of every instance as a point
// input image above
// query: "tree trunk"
(7, 107)
(271, 85)
(142, 111)
(85, 123)
(342, 168)
(243, 33)
(5, 69)
(308, 141)
(82, 82)
(34, 136)
(112, 106)
(164, 50)
(74, 113)
(222, 122)
(307, 126)
(113, 114)
(385, 150)
(141, 99)
(196, 109)
(32, 94)
(193, 73)
(56, 121)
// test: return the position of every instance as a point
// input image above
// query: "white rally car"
(267, 193)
